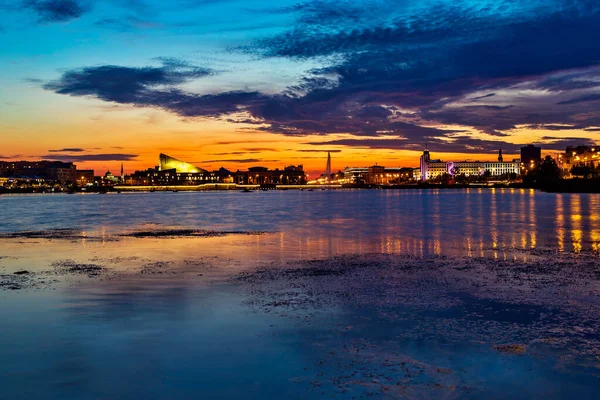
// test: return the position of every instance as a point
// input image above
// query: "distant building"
(355, 175)
(431, 169)
(291, 175)
(84, 177)
(49, 171)
(579, 156)
(377, 175)
(172, 171)
(157, 177)
(531, 157)
(259, 176)
(424, 162)
(109, 179)
(166, 162)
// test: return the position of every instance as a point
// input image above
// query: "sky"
(272, 83)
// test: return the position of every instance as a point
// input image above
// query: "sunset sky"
(271, 83)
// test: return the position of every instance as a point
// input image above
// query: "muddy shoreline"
(362, 315)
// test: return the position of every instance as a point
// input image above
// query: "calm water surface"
(183, 337)
(325, 222)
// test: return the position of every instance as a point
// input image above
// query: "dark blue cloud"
(127, 84)
(56, 10)
(463, 144)
(154, 87)
(582, 99)
(458, 145)
(397, 68)
(425, 61)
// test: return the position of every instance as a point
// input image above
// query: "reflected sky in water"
(189, 335)
(474, 222)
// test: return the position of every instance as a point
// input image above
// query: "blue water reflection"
(170, 337)
(471, 221)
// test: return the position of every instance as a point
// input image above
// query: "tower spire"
(122, 173)
(327, 172)
(500, 159)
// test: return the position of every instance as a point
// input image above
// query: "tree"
(461, 178)
(547, 171)
(446, 178)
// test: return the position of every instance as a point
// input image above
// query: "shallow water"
(168, 317)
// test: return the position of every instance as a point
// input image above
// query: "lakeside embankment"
(560, 186)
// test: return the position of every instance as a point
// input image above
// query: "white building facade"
(431, 169)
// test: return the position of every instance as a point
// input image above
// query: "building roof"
(168, 162)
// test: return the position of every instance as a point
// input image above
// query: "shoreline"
(566, 186)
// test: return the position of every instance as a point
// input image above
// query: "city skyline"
(303, 199)
(260, 83)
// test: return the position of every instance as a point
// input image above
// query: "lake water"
(165, 318)
(336, 221)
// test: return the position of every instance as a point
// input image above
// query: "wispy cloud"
(68, 150)
(90, 157)
(11, 157)
(239, 160)
(319, 151)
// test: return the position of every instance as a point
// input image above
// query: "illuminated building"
(85, 177)
(580, 156)
(156, 177)
(49, 171)
(172, 171)
(166, 162)
(259, 176)
(355, 174)
(377, 175)
(424, 164)
(109, 179)
(290, 175)
(431, 169)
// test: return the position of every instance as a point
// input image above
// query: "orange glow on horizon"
(140, 134)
